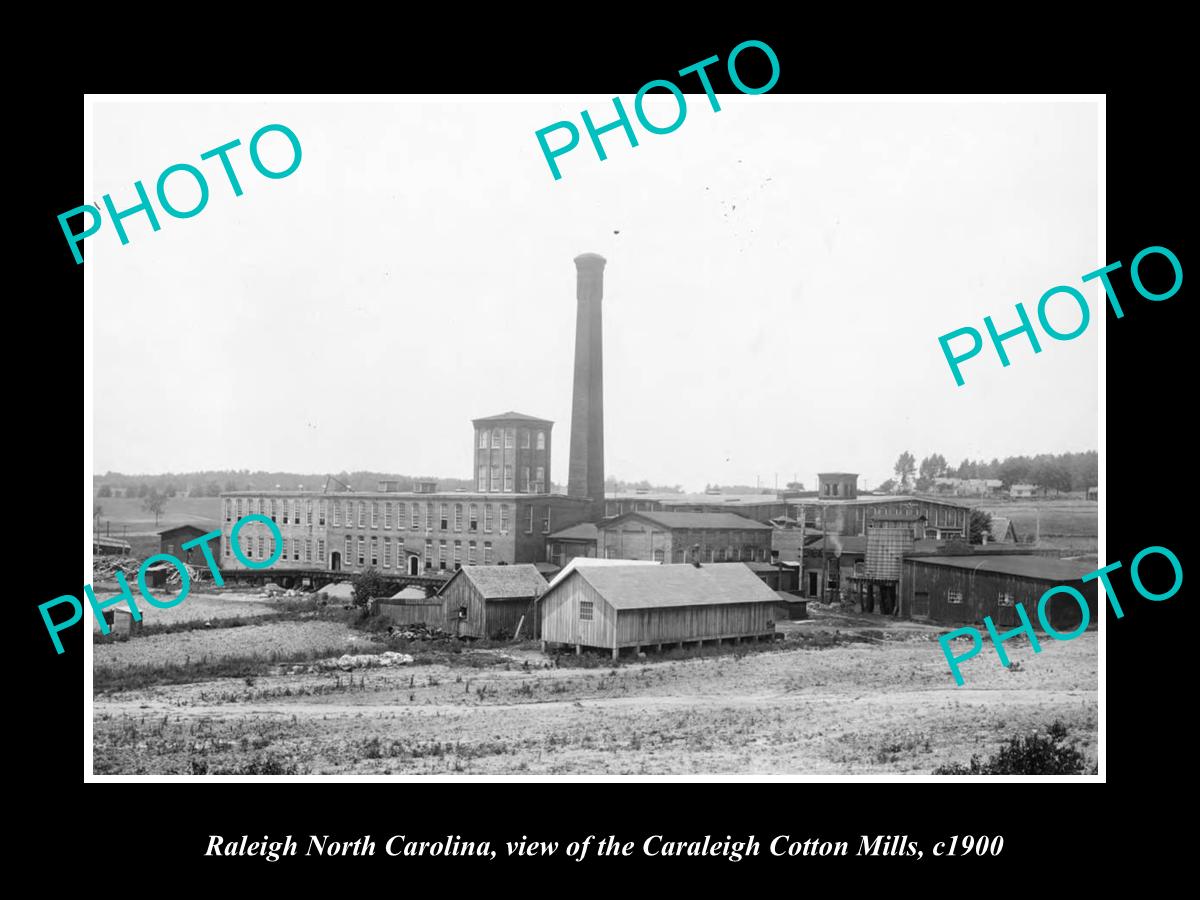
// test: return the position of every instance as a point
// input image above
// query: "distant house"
(171, 541)
(622, 605)
(485, 601)
(109, 546)
(1093, 493)
(1023, 491)
(679, 537)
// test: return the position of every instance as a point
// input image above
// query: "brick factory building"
(512, 454)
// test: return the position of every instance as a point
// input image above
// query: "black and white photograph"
(470, 437)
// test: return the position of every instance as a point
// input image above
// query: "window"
(529, 527)
(349, 554)
(487, 517)
(504, 518)
(428, 516)
(362, 514)
(374, 550)
(442, 554)
(226, 543)
(387, 515)
(541, 479)
(416, 517)
(546, 520)
(261, 547)
(508, 479)
(308, 511)
(471, 553)
(445, 516)
(321, 549)
(524, 439)
(954, 596)
(228, 512)
(239, 507)
(482, 485)
(482, 439)
(374, 514)
(349, 511)
(458, 517)
(296, 548)
(495, 478)
(1004, 600)
(473, 517)
(509, 438)
(523, 485)
(399, 552)
(400, 513)
(362, 548)
(457, 554)
(248, 550)
(541, 440)
(308, 549)
(585, 610)
(487, 553)
(428, 553)
(495, 438)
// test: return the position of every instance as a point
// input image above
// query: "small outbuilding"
(488, 601)
(171, 541)
(615, 606)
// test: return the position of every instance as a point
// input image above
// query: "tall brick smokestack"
(586, 474)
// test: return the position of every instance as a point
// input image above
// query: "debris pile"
(105, 568)
(417, 632)
(347, 662)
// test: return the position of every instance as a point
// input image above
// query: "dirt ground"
(842, 694)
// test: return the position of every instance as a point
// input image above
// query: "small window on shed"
(954, 596)
(1004, 600)
(585, 609)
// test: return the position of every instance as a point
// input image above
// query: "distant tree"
(932, 467)
(170, 490)
(905, 466)
(142, 490)
(154, 502)
(980, 524)
(368, 584)
(888, 486)
(105, 491)
(231, 485)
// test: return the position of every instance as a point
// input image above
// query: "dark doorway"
(812, 584)
(414, 565)
(335, 561)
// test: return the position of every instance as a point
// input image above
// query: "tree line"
(1056, 471)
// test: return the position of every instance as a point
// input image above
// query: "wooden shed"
(487, 601)
(956, 590)
(615, 606)
(411, 607)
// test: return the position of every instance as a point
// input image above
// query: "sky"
(778, 275)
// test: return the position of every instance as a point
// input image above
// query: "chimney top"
(590, 261)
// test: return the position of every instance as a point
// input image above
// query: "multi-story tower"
(512, 454)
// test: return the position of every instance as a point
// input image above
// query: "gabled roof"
(651, 587)
(718, 521)
(580, 561)
(501, 582)
(175, 528)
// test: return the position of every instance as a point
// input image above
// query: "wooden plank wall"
(560, 615)
(430, 612)
(671, 624)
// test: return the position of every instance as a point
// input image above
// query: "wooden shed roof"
(1040, 567)
(501, 582)
(650, 587)
(694, 521)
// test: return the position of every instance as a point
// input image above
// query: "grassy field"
(858, 694)
(126, 518)
(1071, 523)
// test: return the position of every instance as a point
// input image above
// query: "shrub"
(1036, 754)
(367, 584)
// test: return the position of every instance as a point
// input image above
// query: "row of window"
(488, 480)
(262, 546)
(1003, 599)
(509, 436)
(367, 551)
(377, 514)
(295, 512)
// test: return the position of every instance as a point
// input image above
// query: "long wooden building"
(489, 601)
(955, 590)
(615, 606)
